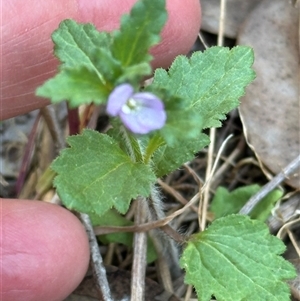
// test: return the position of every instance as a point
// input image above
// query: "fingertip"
(180, 32)
(45, 251)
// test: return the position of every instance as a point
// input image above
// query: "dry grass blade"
(174, 193)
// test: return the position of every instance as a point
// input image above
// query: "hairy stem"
(97, 262)
(139, 253)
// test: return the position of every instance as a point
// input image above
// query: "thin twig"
(97, 262)
(139, 255)
(204, 201)
(174, 193)
(179, 238)
(278, 179)
(284, 212)
(293, 241)
(228, 162)
(222, 22)
(282, 231)
(194, 174)
(202, 40)
(210, 176)
(188, 293)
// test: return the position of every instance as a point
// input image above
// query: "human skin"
(44, 249)
(27, 50)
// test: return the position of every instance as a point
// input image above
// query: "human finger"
(27, 58)
(45, 251)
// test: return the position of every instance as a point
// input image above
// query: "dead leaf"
(270, 109)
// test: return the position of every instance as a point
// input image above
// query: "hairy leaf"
(197, 93)
(76, 43)
(78, 86)
(211, 81)
(167, 159)
(138, 32)
(94, 175)
(236, 259)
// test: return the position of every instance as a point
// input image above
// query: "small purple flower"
(140, 112)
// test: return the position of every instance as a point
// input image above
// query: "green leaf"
(108, 66)
(211, 81)
(138, 32)
(94, 175)
(76, 43)
(123, 57)
(182, 121)
(264, 208)
(236, 259)
(78, 86)
(166, 159)
(134, 73)
(197, 93)
(225, 202)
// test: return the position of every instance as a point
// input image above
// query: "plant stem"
(139, 255)
(97, 262)
(132, 145)
(73, 121)
(154, 143)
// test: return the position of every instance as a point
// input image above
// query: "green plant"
(154, 130)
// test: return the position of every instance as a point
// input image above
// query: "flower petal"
(152, 119)
(117, 98)
(130, 122)
(145, 113)
(149, 100)
(144, 121)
